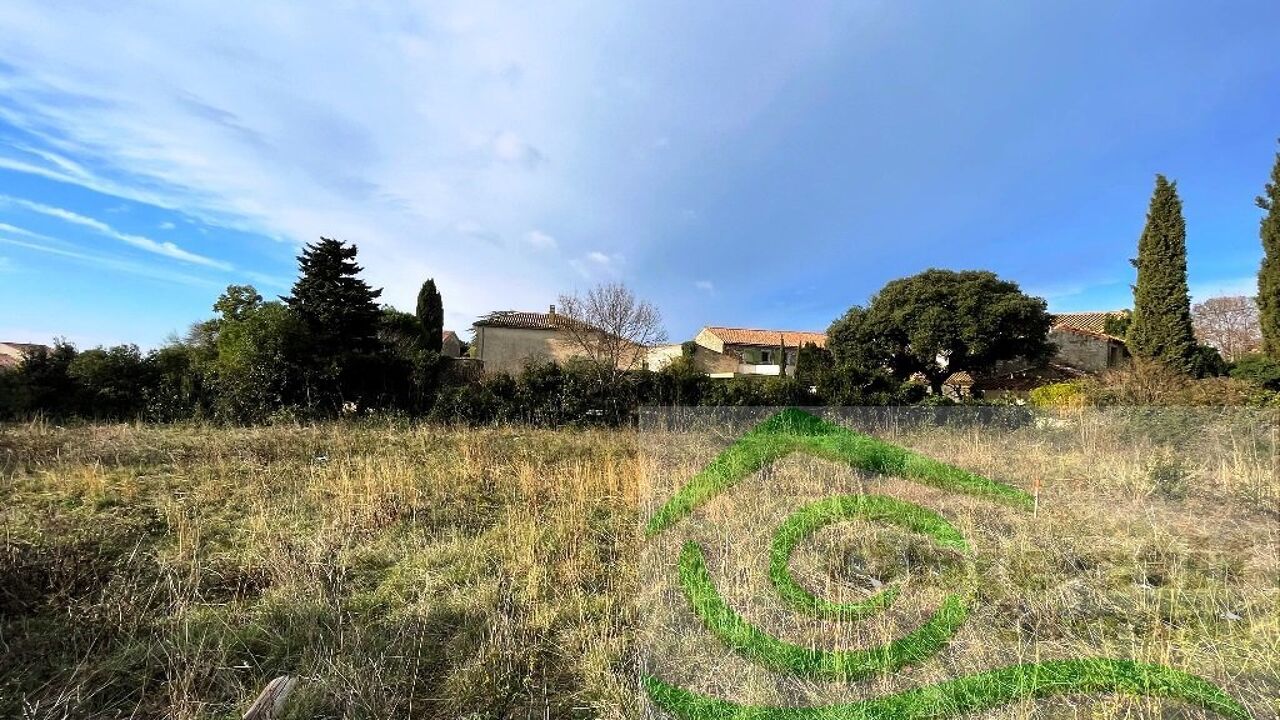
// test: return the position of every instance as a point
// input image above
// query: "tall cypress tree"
(1269, 273)
(1161, 326)
(431, 315)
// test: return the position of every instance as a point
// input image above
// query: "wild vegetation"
(804, 432)
(413, 570)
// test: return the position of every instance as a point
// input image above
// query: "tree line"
(328, 349)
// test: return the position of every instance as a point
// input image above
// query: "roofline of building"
(764, 330)
(1083, 331)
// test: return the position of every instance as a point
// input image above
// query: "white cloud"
(104, 262)
(5, 227)
(540, 240)
(438, 130)
(167, 226)
(705, 285)
(166, 249)
(508, 147)
(596, 265)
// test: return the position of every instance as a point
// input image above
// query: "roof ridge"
(731, 327)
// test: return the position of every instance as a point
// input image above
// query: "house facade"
(508, 340)
(450, 344)
(731, 352)
(13, 353)
(1080, 341)
(711, 362)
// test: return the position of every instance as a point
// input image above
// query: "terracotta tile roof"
(959, 378)
(1093, 321)
(523, 320)
(447, 334)
(1093, 324)
(767, 338)
(1082, 331)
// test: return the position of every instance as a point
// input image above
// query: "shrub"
(680, 383)
(1058, 395)
(1152, 383)
(1208, 362)
(1258, 369)
(1169, 477)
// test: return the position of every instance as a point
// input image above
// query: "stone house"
(1081, 347)
(729, 352)
(507, 340)
(713, 363)
(450, 344)
(13, 353)
(1080, 341)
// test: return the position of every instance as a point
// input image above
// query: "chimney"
(552, 311)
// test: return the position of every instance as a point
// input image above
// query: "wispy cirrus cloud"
(106, 262)
(449, 131)
(166, 249)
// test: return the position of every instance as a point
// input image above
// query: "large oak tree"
(939, 322)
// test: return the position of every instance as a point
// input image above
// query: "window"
(766, 357)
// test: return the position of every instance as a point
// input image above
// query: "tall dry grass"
(501, 573)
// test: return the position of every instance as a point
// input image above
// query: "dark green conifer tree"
(341, 317)
(1269, 273)
(431, 315)
(1161, 325)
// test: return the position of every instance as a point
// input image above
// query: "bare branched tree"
(611, 327)
(1229, 324)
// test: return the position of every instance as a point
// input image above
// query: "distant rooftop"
(12, 353)
(524, 320)
(1089, 322)
(770, 338)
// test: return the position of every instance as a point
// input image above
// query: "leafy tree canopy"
(939, 322)
(237, 301)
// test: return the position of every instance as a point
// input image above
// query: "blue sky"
(755, 164)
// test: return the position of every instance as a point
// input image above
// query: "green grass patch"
(915, 647)
(808, 519)
(973, 693)
(794, 430)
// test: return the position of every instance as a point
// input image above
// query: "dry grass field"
(420, 571)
